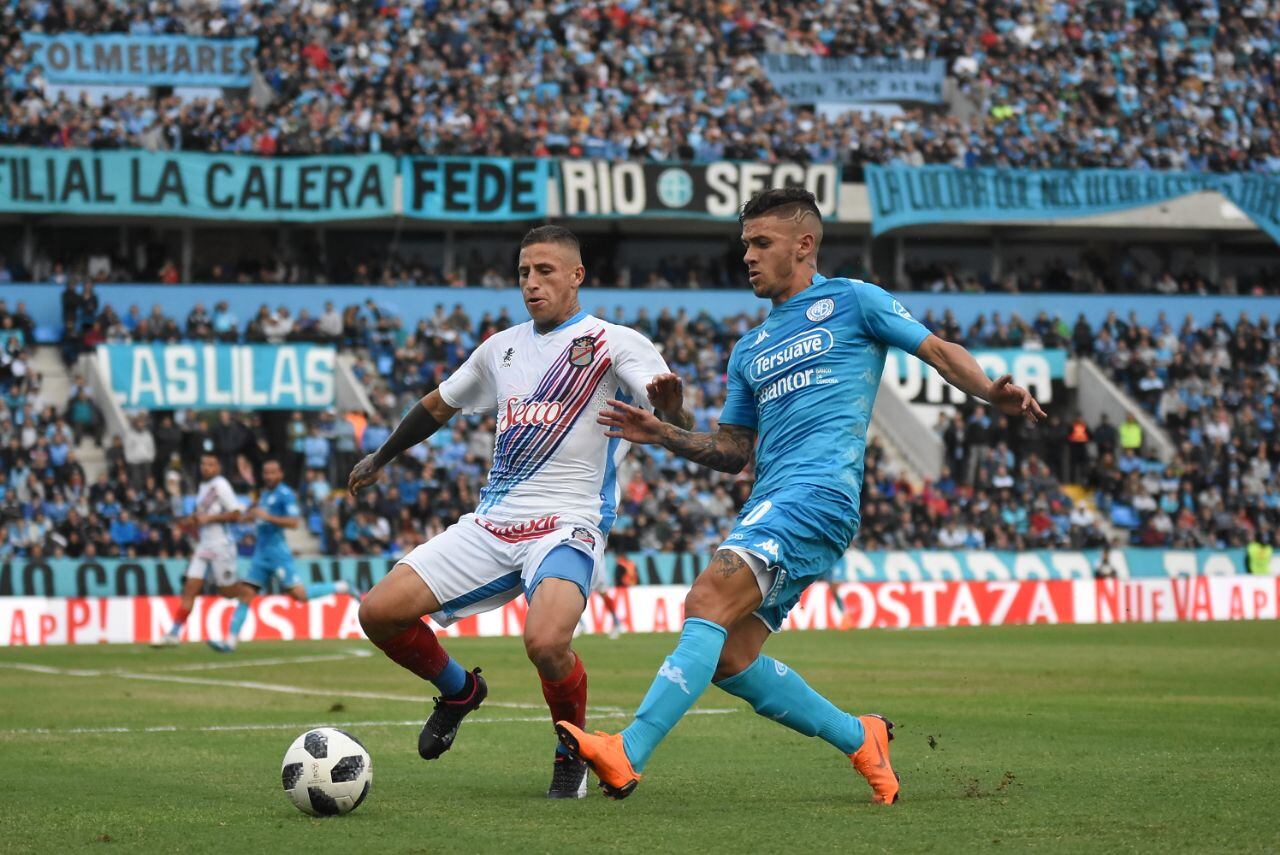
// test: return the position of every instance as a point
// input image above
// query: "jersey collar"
(817, 279)
(582, 313)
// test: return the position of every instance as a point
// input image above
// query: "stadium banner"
(220, 376)
(808, 79)
(1043, 372)
(912, 196)
(714, 191)
(119, 59)
(206, 186)
(475, 188)
(34, 621)
(125, 577)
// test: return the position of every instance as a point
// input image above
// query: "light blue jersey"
(279, 501)
(271, 554)
(805, 380)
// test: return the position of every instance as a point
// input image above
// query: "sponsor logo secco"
(793, 351)
(517, 413)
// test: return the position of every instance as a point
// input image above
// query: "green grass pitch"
(1070, 738)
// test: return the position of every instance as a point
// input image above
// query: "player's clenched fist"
(363, 474)
(633, 424)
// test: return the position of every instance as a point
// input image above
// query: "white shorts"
(217, 564)
(476, 565)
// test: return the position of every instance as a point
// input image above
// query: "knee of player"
(703, 602)
(545, 647)
(374, 619)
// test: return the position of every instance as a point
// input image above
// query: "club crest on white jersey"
(550, 456)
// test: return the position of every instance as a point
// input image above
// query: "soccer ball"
(326, 772)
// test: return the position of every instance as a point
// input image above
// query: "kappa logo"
(506, 357)
(582, 351)
(674, 674)
(902, 310)
(821, 310)
(769, 547)
(763, 335)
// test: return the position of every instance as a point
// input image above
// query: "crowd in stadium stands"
(667, 271)
(1187, 85)
(1213, 388)
(1090, 275)
(1002, 488)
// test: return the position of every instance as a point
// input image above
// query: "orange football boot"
(604, 753)
(872, 759)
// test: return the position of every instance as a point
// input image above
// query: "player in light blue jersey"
(276, 510)
(800, 391)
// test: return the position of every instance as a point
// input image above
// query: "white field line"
(253, 663)
(261, 687)
(232, 728)
(245, 684)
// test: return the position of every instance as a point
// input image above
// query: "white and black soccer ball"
(327, 772)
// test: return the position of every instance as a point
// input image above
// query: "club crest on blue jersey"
(582, 351)
(821, 310)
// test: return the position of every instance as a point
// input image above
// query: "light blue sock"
(452, 679)
(776, 692)
(237, 620)
(681, 680)
(321, 589)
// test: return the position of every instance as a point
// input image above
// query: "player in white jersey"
(215, 553)
(550, 500)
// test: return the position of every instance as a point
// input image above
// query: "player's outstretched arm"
(958, 367)
(727, 449)
(422, 421)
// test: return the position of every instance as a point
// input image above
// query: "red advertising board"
(27, 621)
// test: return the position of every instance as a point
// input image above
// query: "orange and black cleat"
(872, 759)
(604, 753)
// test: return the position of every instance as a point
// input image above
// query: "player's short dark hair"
(780, 202)
(272, 459)
(551, 234)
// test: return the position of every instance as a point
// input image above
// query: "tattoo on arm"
(728, 449)
(682, 419)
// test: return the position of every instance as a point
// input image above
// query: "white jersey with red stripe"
(551, 458)
(215, 496)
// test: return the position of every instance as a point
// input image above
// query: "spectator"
(1131, 434)
(139, 450)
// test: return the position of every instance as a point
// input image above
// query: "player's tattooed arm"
(422, 421)
(727, 449)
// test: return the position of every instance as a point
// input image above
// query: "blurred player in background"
(215, 553)
(276, 510)
(602, 587)
(803, 383)
(550, 500)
